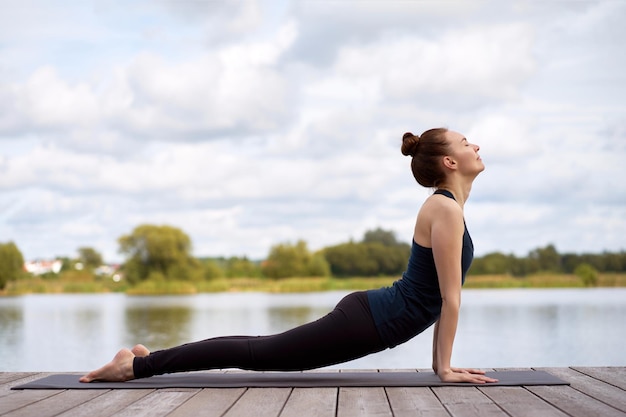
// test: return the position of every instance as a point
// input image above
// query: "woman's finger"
(468, 371)
(486, 379)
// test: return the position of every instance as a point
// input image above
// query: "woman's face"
(465, 154)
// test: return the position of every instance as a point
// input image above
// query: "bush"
(367, 259)
(11, 263)
(588, 274)
(288, 260)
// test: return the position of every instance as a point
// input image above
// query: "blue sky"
(249, 123)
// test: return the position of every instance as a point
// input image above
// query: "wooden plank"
(5, 388)
(610, 394)
(519, 402)
(6, 377)
(363, 402)
(260, 402)
(157, 403)
(467, 402)
(56, 404)
(610, 374)
(313, 402)
(19, 399)
(209, 402)
(415, 401)
(108, 404)
(573, 402)
(11, 400)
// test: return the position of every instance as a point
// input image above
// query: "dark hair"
(426, 152)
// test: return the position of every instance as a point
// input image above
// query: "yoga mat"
(291, 379)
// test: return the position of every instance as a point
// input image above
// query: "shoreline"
(38, 285)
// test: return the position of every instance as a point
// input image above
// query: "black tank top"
(413, 303)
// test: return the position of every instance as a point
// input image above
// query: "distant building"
(107, 269)
(40, 267)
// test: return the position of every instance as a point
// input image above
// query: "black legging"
(348, 332)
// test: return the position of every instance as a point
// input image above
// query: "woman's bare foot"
(140, 351)
(118, 370)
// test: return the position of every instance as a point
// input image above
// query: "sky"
(250, 123)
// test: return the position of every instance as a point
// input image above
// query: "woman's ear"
(449, 162)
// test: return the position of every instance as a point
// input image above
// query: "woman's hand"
(473, 376)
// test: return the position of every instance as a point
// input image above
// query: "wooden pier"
(592, 392)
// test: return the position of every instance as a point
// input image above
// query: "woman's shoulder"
(441, 205)
(438, 214)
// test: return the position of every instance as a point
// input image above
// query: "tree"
(351, 259)
(242, 267)
(379, 253)
(390, 260)
(288, 260)
(492, 263)
(212, 269)
(548, 258)
(11, 263)
(160, 251)
(66, 263)
(318, 265)
(386, 237)
(89, 257)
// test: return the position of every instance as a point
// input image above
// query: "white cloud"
(250, 17)
(593, 19)
(504, 139)
(328, 26)
(236, 88)
(486, 61)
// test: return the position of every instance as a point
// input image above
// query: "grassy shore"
(543, 281)
(36, 285)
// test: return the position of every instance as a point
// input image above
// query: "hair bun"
(409, 144)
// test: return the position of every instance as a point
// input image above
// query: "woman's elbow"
(450, 304)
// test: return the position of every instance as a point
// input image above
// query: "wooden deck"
(593, 392)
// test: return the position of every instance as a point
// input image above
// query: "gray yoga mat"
(290, 379)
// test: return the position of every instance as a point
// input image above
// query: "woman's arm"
(447, 229)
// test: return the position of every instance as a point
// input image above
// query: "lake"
(497, 328)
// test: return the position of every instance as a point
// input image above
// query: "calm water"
(498, 328)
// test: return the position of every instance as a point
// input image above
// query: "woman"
(363, 322)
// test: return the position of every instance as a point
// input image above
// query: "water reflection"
(543, 327)
(55, 329)
(497, 328)
(284, 318)
(157, 326)
(11, 323)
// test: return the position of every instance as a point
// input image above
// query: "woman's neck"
(459, 190)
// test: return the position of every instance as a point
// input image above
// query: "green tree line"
(547, 259)
(164, 253)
